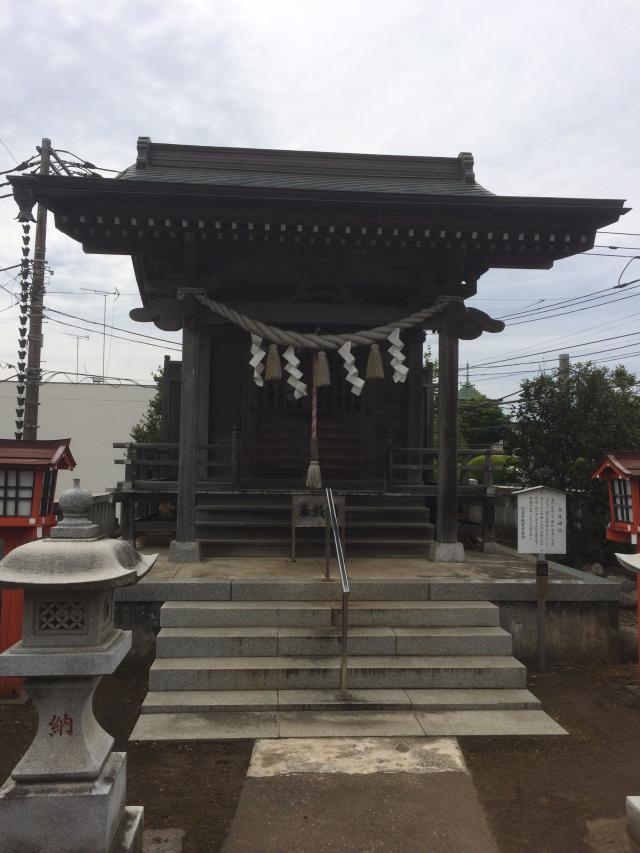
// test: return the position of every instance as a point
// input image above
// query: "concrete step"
(307, 724)
(205, 701)
(405, 614)
(365, 672)
(279, 589)
(268, 641)
(280, 546)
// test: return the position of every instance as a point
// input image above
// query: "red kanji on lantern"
(60, 725)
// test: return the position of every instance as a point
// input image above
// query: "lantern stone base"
(184, 552)
(633, 818)
(446, 552)
(71, 817)
(70, 745)
(131, 831)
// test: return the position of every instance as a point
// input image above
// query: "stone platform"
(504, 575)
(582, 610)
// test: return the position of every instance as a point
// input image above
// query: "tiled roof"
(304, 170)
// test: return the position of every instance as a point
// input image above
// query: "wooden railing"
(415, 465)
(159, 461)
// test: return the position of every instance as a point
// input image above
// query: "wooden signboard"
(542, 521)
(311, 511)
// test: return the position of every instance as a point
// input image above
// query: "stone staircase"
(268, 665)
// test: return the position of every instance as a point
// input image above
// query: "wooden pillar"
(446, 548)
(185, 548)
(204, 384)
(368, 428)
(415, 399)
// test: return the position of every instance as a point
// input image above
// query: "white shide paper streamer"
(295, 374)
(257, 357)
(400, 369)
(357, 384)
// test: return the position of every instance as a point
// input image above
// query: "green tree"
(148, 427)
(563, 423)
(481, 422)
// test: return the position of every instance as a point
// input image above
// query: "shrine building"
(303, 283)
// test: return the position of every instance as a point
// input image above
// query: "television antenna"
(78, 339)
(104, 293)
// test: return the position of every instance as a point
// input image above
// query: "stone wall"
(577, 631)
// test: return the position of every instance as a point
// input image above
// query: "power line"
(576, 355)
(116, 328)
(567, 303)
(574, 311)
(498, 361)
(4, 145)
(93, 376)
(563, 337)
(541, 369)
(118, 337)
(603, 255)
(624, 248)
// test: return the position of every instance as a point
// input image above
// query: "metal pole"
(327, 549)
(343, 661)
(32, 389)
(104, 332)
(542, 589)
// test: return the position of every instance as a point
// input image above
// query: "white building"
(92, 415)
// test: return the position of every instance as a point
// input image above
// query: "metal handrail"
(332, 519)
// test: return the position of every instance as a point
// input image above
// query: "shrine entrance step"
(266, 666)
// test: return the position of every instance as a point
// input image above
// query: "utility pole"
(78, 339)
(104, 293)
(34, 354)
(563, 365)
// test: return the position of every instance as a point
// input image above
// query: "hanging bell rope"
(314, 474)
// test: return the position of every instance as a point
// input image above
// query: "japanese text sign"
(310, 511)
(542, 521)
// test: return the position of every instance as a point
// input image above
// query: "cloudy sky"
(544, 94)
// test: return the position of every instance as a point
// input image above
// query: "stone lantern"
(67, 794)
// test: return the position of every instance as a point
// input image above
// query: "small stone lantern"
(67, 794)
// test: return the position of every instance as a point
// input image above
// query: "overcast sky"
(544, 94)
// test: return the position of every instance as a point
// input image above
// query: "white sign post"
(542, 530)
(542, 521)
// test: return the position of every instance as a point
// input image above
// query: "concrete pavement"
(359, 795)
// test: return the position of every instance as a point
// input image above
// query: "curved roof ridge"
(281, 168)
